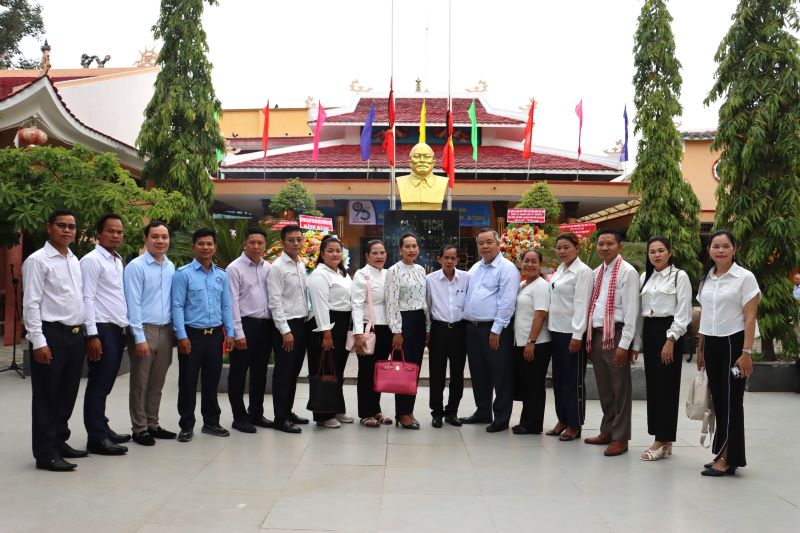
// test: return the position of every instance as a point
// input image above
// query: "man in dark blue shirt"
(201, 307)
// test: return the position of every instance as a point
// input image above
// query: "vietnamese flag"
(321, 116)
(388, 140)
(449, 156)
(265, 133)
(526, 150)
(579, 112)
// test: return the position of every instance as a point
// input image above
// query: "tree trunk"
(767, 349)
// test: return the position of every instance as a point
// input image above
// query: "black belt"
(74, 330)
(448, 325)
(616, 325)
(262, 321)
(120, 329)
(203, 331)
(479, 323)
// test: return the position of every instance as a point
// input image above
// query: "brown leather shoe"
(602, 438)
(618, 447)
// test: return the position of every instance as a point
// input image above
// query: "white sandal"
(654, 455)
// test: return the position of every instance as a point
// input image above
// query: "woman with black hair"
(329, 291)
(729, 297)
(666, 310)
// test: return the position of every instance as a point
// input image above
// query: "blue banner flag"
(366, 134)
(623, 156)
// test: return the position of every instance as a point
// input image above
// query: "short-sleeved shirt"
(723, 299)
(531, 297)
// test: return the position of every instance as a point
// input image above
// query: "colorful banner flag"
(422, 115)
(388, 140)
(579, 112)
(449, 156)
(366, 134)
(528, 140)
(623, 156)
(321, 116)
(473, 118)
(220, 155)
(265, 133)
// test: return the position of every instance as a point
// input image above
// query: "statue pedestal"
(433, 229)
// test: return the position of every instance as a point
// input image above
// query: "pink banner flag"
(579, 112)
(321, 116)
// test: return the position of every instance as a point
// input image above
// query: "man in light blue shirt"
(796, 290)
(148, 283)
(201, 307)
(488, 308)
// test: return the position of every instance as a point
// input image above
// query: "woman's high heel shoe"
(565, 437)
(654, 455)
(413, 425)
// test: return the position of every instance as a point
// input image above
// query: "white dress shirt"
(249, 295)
(377, 282)
(569, 300)
(723, 299)
(531, 298)
(103, 289)
(445, 298)
(668, 293)
(405, 291)
(52, 291)
(286, 286)
(329, 291)
(626, 301)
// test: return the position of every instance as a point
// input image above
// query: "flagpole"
(367, 168)
(449, 94)
(393, 194)
(528, 172)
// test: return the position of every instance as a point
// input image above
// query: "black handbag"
(325, 391)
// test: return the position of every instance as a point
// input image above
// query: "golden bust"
(421, 190)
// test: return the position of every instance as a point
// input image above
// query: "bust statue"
(421, 190)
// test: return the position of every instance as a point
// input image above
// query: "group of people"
(507, 326)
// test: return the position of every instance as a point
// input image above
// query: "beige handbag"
(369, 327)
(699, 407)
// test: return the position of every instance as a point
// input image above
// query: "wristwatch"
(748, 351)
(671, 336)
(531, 341)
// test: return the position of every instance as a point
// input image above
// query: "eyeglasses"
(65, 226)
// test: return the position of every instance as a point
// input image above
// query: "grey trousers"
(148, 376)
(613, 386)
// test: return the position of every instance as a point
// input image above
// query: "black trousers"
(413, 345)
(288, 366)
(203, 361)
(448, 343)
(530, 384)
(663, 381)
(55, 388)
(341, 325)
(102, 375)
(491, 371)
(727, 393)
(258, 333)
(568, 372)
(369, 401)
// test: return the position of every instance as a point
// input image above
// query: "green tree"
(669, 205)
(19, 19)
(36, 181)
(294, 198)
(180, 136)
(758, 197)
(540, 196)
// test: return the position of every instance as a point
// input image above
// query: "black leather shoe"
(57, 464)
(519, 430)
(116, 438)
(144, 438)
(71, 453)
(294, 419)
(286, 426)
(474, 419)
(262, 422)
(106, 447)
(161, 433)
(494, 427)
(708, 465)
(713, 472)
(216, 430)
(453, 420)
(437, 421)
(244, 426)
(185, 436)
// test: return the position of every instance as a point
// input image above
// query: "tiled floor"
(390, 479)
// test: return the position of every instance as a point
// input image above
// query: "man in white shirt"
(286, 285)
(446, 290)
(613, 313)
(53, 315)
(106, 331)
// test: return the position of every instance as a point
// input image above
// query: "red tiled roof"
(7, 85)
(489, 158)
(407, 112)
(251, 143)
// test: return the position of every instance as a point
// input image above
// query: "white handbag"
(369, 328)
(699, 407)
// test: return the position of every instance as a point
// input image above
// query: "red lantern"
(31, 136)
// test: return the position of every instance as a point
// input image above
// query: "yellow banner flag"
(422, 114)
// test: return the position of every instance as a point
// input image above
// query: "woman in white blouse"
(371, 278)
(531, 344)
(407, 309)
(666, 310)
(729, 297)
(571, 287)
(329, 290)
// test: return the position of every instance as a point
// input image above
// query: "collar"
(249, 261)
(418, 181)
(106, 254)
(497, 259)
(573, 267)
(148, 257)
(371, 269)
(612, 263)
(665, 272)
(284, 258)
(736, 271)
(51, 251)
(197, 266)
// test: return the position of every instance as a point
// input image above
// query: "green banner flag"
(474, 120)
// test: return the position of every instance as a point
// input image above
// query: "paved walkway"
(390, 479)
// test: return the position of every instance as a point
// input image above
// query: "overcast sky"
(558, 52)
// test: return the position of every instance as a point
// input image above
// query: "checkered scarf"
(608, 319)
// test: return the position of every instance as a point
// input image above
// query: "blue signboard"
(470, 214)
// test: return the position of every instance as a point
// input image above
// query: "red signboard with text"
(581, 229)
(525, 216)
(316, 223)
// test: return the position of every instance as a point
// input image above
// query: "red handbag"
(398, 377)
